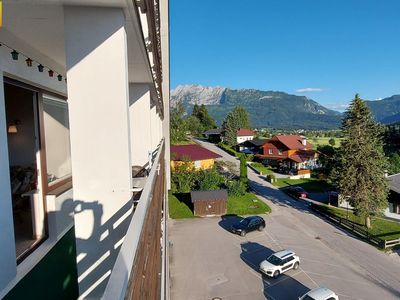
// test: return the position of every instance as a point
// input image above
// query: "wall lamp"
(12, 128)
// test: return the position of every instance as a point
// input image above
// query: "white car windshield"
(274, 260)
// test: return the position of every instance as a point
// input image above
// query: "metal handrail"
(121, 272)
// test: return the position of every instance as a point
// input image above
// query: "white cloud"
(308, 90)
(338, 106)
(377, 99)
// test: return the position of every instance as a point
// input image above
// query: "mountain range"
(275, 109)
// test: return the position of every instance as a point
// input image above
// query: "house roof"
(191, 152)
(296, 158)
(292, 141)
(209, 195)
(255, 142)
(258, 142)
(394, 182)
(244, 132)
(213, 131)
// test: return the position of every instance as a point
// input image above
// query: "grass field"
(381, 228)
(262, 169)
(247, 204)
(316, 141)
(181, 207)
(312, 185)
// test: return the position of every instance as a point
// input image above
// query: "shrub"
(271, 178)
(250, 157)
(243, 170)
(228, 149)
(236, 188)
(209, 180)
(183, 182)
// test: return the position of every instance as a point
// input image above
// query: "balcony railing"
(140, 268)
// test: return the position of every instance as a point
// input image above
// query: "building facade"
(84, 100)
(244, 134)
(289, 152)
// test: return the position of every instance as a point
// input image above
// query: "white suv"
(320, 293)
(279, 262)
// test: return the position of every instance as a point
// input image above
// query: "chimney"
(304, 141)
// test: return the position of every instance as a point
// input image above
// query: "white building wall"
(164, 32)
(17, 69)
(139, 113)
(97, 69)
(8, 265)
(241, 139)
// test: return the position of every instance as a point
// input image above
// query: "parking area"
(207, 261)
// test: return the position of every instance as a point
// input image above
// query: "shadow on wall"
(283, 287)
(97, 254)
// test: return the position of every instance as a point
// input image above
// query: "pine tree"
(361, 163)
(201, 113)
(235, 119)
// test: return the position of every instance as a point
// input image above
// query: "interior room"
(23, 145)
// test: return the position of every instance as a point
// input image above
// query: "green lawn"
(180, 206)
(316, 141)
(381, 228)
(312, 185)
(247, 204)
(262, 169)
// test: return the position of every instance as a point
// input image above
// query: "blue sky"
(336, 47)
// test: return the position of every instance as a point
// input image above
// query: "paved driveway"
(208, 261)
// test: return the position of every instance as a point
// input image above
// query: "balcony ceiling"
(40, 25)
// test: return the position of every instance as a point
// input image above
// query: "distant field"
(324, 141)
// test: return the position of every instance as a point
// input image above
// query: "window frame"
(66, 182)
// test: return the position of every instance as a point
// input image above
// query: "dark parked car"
(297, 191)
(248, 224)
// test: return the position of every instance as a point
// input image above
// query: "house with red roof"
(244, 134)
(199, 157)
(290, 152)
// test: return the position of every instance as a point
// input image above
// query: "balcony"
(140, 268)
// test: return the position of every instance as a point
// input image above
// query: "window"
(280, 151)
(269, 151)
(56, 128)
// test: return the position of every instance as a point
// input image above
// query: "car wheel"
(242, 233)
(296, 266)
(260, 228)
(276, 274)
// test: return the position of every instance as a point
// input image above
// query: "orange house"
(289, 151)
(199, 157)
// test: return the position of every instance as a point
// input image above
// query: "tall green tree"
(201, 113)
(235, 119)
(178, 126)
(243, 171)
(361, 163)
(194, 126)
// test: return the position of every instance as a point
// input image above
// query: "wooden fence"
(145, 281)
(357, 229)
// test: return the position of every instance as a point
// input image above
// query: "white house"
(243, 135)
(84, 98)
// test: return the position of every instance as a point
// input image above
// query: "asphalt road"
(208, 261)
